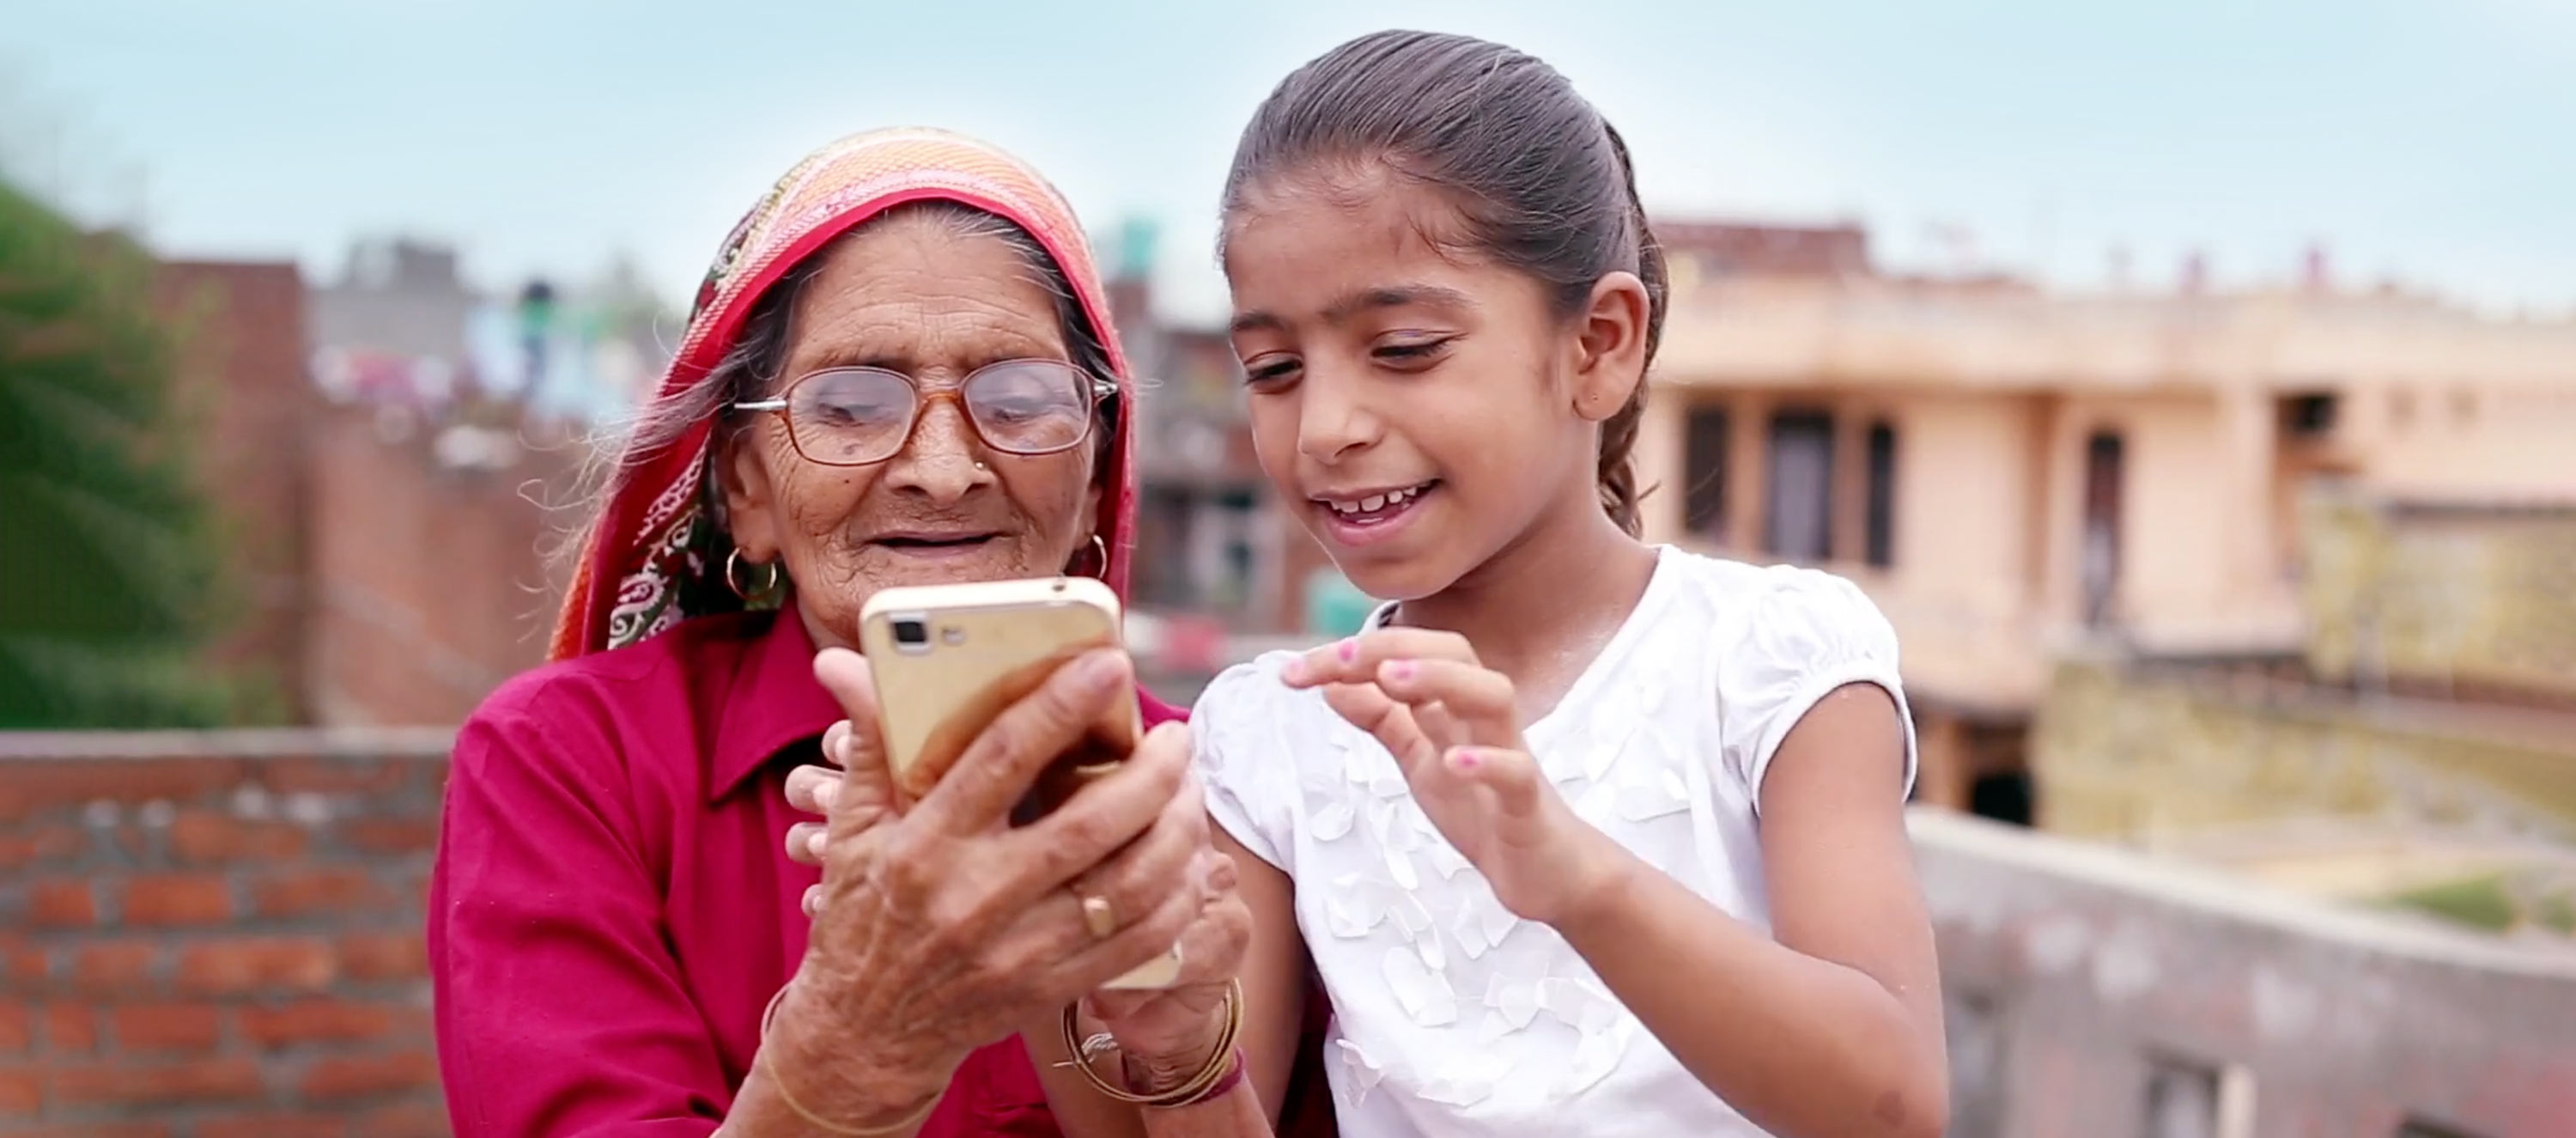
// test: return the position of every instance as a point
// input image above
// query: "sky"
(2429, 142)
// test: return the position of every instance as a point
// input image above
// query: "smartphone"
(948, 658)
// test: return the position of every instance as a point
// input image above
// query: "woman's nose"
(939, 459)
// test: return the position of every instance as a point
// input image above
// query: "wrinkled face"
(911, 295)
(1420, 408)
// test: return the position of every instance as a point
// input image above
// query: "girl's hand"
(1450, 723)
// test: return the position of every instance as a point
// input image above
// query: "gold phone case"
(948, 658)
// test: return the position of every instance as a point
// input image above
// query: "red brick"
(178, 899)
(24, 964)
(167, 1027)
(252, 964)
(276, 1126)
(205, 836)
(333, 776)
(309, 892)
(384, 956)
(17, 1027)
(309, 1021)
(98, 1130)
(391, 835)
(22, 1091)
(63, 903)
(113, 966)
(354, 1076)
(71, 1028)
(42, 785)
(406, 1120)
(190, 1080)
(38, 845)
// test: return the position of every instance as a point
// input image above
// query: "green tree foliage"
(109, 563)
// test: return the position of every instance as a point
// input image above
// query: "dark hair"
(753, 365)
(1542, 181)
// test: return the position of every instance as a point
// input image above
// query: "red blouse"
(613, 904)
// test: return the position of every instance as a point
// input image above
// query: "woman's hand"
(1451, 725)
(942, 928)
(1165, 1035)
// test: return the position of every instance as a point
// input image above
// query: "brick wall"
(2085, 983)
(218, 936)
(211, 936)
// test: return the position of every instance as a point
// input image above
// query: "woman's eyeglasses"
(855, 416)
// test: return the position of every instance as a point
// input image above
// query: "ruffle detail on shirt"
(1240, 750)
(1611, 760)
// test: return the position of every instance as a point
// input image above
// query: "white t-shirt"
(1452, 1016)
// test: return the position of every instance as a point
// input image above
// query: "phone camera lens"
(911, 632)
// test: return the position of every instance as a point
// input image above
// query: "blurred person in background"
(900, 371)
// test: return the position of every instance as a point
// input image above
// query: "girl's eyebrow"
(1342, 309)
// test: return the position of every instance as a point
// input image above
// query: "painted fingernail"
(1349, 650)
(1294, 671)
(1464, 759)
(1400, 670)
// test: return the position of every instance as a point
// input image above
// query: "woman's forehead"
(917, 293)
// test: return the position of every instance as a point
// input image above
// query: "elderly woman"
(900, 371)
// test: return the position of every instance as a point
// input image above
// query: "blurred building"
(402, 298)
(395, 481)
(240, 332)
(2012, 473)
(1208, 547)
(2417, 747)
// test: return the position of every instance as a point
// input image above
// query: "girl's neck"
(1542, 607)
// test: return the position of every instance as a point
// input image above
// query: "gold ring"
(1099, 917)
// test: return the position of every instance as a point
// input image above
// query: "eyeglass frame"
(1102, 390)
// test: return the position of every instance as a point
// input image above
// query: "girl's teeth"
(1374, 502)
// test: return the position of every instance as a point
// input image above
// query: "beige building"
(2011, 472)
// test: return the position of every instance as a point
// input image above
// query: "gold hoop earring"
(734, 578)
(1100, 560)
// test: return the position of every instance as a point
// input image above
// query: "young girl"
(1583, 836)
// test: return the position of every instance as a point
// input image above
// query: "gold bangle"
(1219, 1060)
(760, 1062)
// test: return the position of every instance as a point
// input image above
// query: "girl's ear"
(1610, 345)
